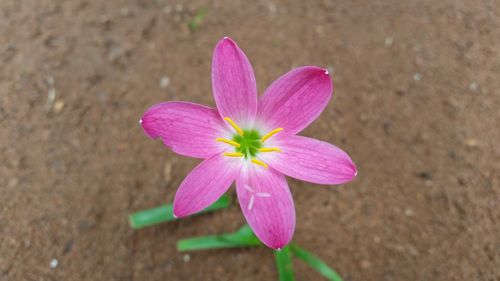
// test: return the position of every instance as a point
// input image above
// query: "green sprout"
(195, 22)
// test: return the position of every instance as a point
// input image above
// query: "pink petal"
(296, 99)
(271, 213)
(233, 83)
(311, 160)
(205, 184)
(187, 128)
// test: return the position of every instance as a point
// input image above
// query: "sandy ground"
(416, 105)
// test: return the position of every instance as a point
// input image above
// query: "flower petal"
(267, 204)
(233, 83)
(311, 160)
(296, 99)
(205, 184)
(187, 128)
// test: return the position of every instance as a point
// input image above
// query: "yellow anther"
(258, 162)
(238, 129)
(272, 133)
(230, 142)
(233, 154)
(269, 149)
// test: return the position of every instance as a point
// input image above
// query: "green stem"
(244, 237)
(165, 213)
(284, 264)
(315, 263)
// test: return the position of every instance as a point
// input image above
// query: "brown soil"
(416, 105)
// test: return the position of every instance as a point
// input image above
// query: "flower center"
(248, 143)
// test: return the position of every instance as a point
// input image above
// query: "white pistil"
(250, 204)
(254, 194)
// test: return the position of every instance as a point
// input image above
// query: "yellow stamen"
(272, 133)
(269, 149)
(258, 162)
(238, 129)
(233, 154)
(230, 142)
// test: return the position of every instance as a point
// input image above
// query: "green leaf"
(244, 237)
(165, 213)
(315, 263)
(284, 264)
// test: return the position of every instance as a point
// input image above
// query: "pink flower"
(251, 140)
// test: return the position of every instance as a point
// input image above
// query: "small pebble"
(320, 29)
(58, 106)
(417, 76)
(54, 263)
(409, 212)
(366, 264)
(388, 41)
(473, 86)
(412, 250)
(272, 8)
(472, 142)
(116, 53)
(186, 258)
(164, 82)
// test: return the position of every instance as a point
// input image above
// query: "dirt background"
(416, 105)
